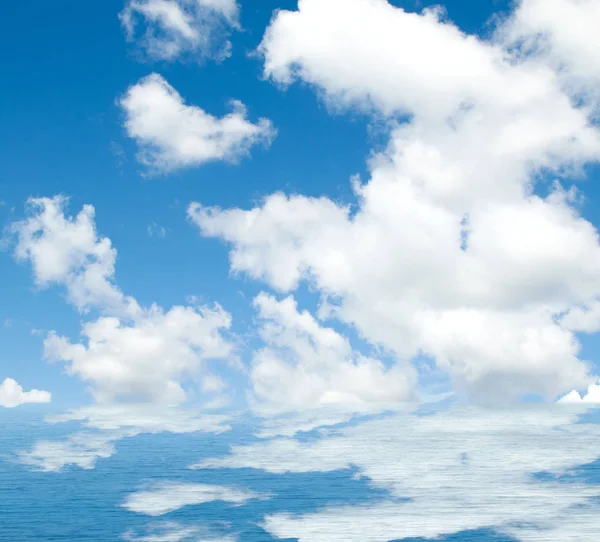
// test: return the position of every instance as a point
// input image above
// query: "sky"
(281, 206)
(272, 269)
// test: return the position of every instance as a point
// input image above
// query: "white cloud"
(563, 33)
(411, 63)
(493, 330)
(213, 384)
(305, 365)
(457, 468)
(167, 497)
(146, 360)
(12, 395)
(228, 8)
(173, 135)
(169, 29)
(155, 230)
(449, 253)
(131, 352)
(68, 251)
(592, 396)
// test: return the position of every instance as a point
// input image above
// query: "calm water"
(77, 505)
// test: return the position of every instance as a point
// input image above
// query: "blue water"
(78, 505)
(83, 505)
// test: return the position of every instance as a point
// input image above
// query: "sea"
(454, 476)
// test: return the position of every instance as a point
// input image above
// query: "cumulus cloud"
(166, 497)
(146, 359)
(592, 396)
(68, 251)
(305, 365)
(450, 253)
(444, 473)
(563, 33)
(130, 353)
(12, 394)
(173, 135)
(169, 29)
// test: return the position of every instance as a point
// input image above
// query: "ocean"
(453, 476)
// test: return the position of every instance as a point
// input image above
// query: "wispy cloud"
(170, 29)
(154, 230)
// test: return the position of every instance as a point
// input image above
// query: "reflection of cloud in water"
(462, 470)
(524, 473)
(106, 425)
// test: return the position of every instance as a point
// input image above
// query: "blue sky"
(60, 104)
(64, 132)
